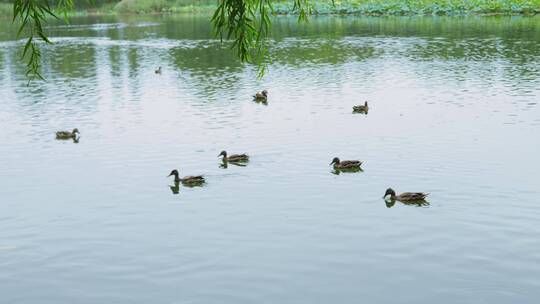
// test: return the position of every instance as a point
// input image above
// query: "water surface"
(453, 111)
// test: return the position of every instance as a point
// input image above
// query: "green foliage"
(164, 6)
(32, 14)
(146, 6)
(245, 22)
(416, 7)
(6, 9)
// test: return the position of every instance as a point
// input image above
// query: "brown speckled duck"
(405, 196)
(261, 96)
(345, 164)
(67, 135)
(361, 108)
(234, 158)
(187, 180)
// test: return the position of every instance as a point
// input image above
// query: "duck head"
(265, 93)
(223, 153)
(75, 131)
(365, 104)
(173, 172)
(335, 161)
(390, 192)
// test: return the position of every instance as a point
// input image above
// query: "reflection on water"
(225, 164)
(453, 111)
(391, 203)
(175, 188)
(350, 170)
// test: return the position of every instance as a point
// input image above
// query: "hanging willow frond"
(247, 23)
(32, 14)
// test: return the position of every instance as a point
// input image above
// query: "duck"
(345, 164)
(187, 180)
(233, 158)
(158, 71)
(361, 108)
(405, 196)
(68, 135)
(261, 96)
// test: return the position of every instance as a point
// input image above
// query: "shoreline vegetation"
(324, 7)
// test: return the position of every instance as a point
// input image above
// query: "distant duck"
(234, 158)
(346, 164)
(68, 135)
(361, 108)
(261, 96)
(158, 71)
(187, 180)
(406, 196)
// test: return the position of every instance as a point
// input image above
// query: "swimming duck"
(234, 158)
(67, 135)
(346, 164)
(187, 180)
(158, 71)
(406, 196)
(261, 96)
(361, 108)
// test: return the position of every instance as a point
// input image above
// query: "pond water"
(453, 111)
